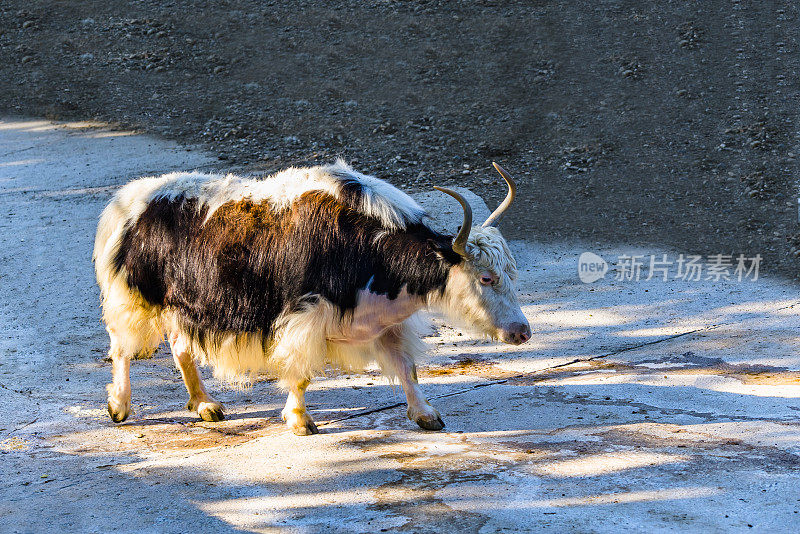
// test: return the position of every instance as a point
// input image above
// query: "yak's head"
(481, 289)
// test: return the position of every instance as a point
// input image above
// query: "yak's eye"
(487, 279)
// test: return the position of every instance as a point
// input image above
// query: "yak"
(288, 274)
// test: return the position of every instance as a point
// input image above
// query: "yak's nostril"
(519, 333)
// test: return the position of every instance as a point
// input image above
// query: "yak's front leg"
(295, 414)
(200, 401)
(419, 409)
(402, 364)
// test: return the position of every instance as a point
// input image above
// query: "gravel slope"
(670, 123)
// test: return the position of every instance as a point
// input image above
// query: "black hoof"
(305, 430)
(431, 423)
(116, 417)
(212, 414)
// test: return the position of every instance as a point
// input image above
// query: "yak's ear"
(436, 247)
(444, 251)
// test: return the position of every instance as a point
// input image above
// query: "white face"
(482, 290)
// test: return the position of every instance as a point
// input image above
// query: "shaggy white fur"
(381, 200)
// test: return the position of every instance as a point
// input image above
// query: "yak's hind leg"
(401, 344)
(200, 401)
(125, 346)
(134, 331)
(119, 390)
(300, 348)
(294, 413)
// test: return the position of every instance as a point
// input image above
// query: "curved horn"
(512, 192)
(460, 241)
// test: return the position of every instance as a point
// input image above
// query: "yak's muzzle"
(516, 333)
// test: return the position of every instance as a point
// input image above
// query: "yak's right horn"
(494, 218)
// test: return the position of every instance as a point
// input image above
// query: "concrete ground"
(637, 406)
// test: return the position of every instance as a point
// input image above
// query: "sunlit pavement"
(637, 406)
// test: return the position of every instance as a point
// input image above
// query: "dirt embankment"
(672, 123)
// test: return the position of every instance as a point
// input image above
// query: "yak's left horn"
(460, 241)
(512, 192)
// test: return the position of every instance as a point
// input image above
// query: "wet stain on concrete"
(467, 364)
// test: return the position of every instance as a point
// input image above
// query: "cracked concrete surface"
(636, 406)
